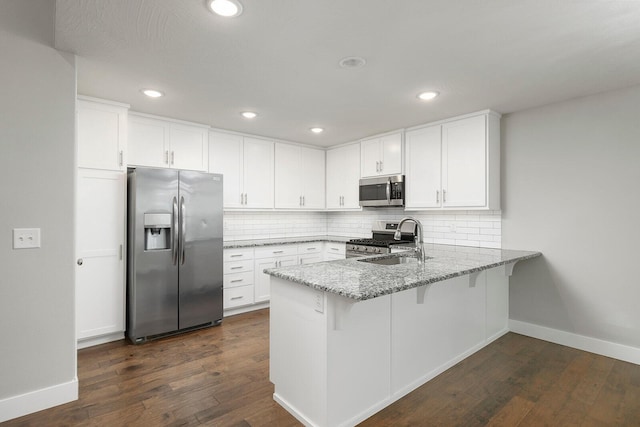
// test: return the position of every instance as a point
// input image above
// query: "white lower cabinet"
(238, 280)
(334, 251)
(100, 239)
(271, 257)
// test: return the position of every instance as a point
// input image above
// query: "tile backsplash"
(464, 228)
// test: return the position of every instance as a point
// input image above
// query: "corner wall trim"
(581, 342)
(37, 400)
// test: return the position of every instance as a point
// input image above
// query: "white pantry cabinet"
(454, 164)
(247, 168)
(343, 176)
(100, 243)
(164, 143)
(299, 177)
(102, 134)
(381, 155)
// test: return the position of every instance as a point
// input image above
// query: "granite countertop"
(362, 280)
(233, 244)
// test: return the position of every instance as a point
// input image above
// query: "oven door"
(382, 191)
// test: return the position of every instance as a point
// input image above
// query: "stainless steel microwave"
(382, 191)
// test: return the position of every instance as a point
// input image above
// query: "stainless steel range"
(382, 239)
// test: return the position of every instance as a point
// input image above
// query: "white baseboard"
(34, 401)
(593, 345)
(103, 339)
(245, 309)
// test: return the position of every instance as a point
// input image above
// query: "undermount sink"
(393, 260)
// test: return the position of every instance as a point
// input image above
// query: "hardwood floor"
(220, 377)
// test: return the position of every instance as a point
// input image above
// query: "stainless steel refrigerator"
(174, 244)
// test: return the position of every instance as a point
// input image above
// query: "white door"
(258, 173)
(312, 177)
(100, 239)
(225, 157)
(288, 177)
(148, 142)
(101, 136)
(189, 146)
(391, 154)
(370, 158)
(464, 163)
(423, 156)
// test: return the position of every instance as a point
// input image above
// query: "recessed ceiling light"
(226, 8)
(352, 62)
(316, 130)
(152, 93)
(427, 96)
(249, 114)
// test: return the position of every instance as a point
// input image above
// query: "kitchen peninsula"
(350, 337)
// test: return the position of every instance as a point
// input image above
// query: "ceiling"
(280, 59)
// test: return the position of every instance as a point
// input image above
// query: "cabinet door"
(312, 176)
(310, 259)
(100, 235)
(148, 142)
(262, 281)
(464, 162)
(370, 158)
(101, 136)
(391, 146)
(189, 147)
(258, 173)
(343, 175)
(225, 157)
(288, 185)
(423, 154)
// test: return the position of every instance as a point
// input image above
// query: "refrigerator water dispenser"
(157, 231)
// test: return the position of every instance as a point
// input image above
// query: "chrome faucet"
(419, 238)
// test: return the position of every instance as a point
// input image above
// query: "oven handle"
(389, 191)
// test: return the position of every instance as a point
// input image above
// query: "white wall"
(37, 99)
(571, 189)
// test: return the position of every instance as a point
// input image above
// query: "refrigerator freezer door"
(200, 259)
(152, 275)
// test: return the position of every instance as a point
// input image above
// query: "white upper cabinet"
(381, 155)
(299, 177)
(343, 176)
(163, 143)
(102, 134)
(454, 164)
(247, 168)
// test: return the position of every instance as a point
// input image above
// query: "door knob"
(80, 261)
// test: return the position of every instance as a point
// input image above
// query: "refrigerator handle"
(183, 222)
(174, 235)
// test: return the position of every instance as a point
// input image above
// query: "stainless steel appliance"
(382, 191)
(382, 239)
(174, 244)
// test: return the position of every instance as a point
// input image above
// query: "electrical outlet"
(26, 238)
(318, 300)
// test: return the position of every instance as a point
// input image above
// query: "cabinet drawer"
(238, 266)
(238, 254)
(276, 251)
(335, 248)
(310, 248)
(236, 297)
(238, 279)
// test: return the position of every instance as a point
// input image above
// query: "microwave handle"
(389, 191)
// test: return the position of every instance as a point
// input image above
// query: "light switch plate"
(26, 238)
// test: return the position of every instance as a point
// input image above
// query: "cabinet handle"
(237, 280)
(437, 196)
(80, 261)
(173, 157)
(278, 252)
(233, 298)
(245, 198)
(236, 255)
(444, 196)
(166, 157)
(121, 157)
(311, 249)
(303, 201)
(381, 166)
(334, 249)
(236, 268)
(377, 166)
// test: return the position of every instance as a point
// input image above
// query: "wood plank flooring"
(220, 377)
